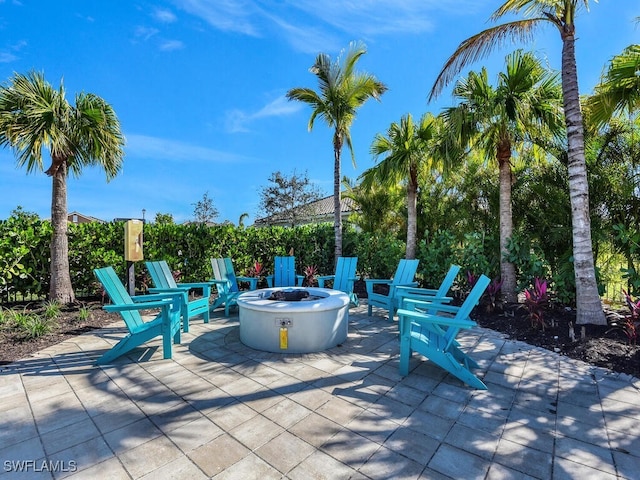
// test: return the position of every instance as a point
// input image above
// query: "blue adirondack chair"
(428, 294)
(165, 283)
(165, 324)
(227, 283)
(284, 273)
(425, 330)
(404, 275)
(344, 277)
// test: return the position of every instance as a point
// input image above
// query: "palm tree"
(342, 90)
(33, 116)
(525, 104)
(409, 149)
(619, 89)
(378, 207)
(561, 14)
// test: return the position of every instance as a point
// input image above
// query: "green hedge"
(24, 252)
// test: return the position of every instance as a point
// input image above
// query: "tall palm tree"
(342, 90)
(409, 149)
(619, 89)
(561, 14)
(33, 116)
(524, 106)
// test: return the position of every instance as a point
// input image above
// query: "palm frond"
(480, 46)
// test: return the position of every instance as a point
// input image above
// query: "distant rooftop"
(319, 211)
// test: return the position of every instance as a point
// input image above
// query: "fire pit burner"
(290, 295)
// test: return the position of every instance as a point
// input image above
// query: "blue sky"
(199, 87)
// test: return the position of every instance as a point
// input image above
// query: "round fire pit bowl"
(287, 320)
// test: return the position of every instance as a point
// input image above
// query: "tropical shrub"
(536, 301)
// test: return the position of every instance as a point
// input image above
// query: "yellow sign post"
(133, 241)
(133, 230)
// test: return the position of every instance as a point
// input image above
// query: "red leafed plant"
(631, 322)
(471, 279)
(257, 270)
(536, 300)
(493, 294)
(310, 273)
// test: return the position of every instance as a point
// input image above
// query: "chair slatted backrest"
(447, 282)
(465, 309)
(119, 296)
(223, 270)
(405, 272)
(161, 274)
(345, 273)
(284, 271)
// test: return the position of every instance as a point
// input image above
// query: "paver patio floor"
(221, 410)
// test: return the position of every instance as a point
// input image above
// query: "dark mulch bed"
(602, 346)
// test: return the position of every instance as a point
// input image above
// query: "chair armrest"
(392, 288)
(166, 290)
(432, 306)
(143, 305)
(164, 295)
(406, 290)
(220, 284)
(371, 282)
(252, 281)
(205, 286)
(323, 278)
(326, 277)
(378, 280)
(427, 319)
(196, 285)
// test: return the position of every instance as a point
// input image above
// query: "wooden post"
(131, 277)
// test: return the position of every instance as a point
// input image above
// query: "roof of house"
(313, 212)
(77, 217)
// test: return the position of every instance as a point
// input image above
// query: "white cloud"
(6, 57)
(371, 17)
(171, 45)
(307, 39)
(144, 146)
(226, 15)
(237, 121)
(313, 25)
(164, 16)
(145, 33)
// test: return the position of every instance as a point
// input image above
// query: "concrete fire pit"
(311, 324)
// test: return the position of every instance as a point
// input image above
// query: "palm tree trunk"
(412, 217)
(589, 306)
(337, 204)
(507, 269)
(60, 288)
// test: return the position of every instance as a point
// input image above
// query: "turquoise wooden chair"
(429, 294)
(227, 283)
(284, 273)
(404, 275)
(344, 278)
(425, 330)
(165, 283)
(165, 324)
